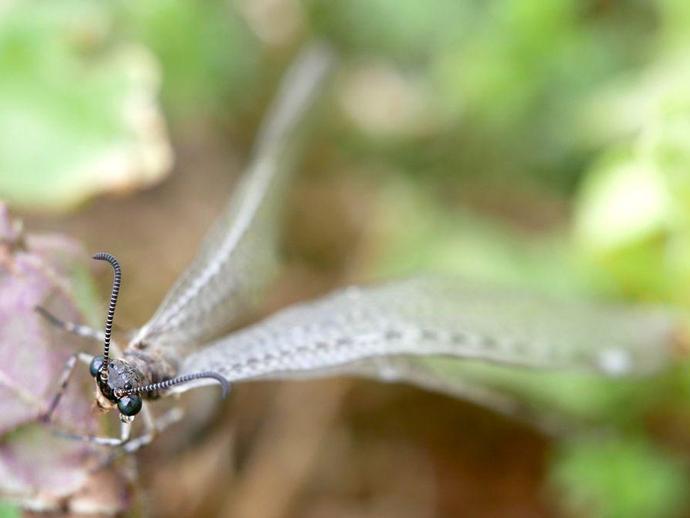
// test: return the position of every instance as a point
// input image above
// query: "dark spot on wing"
(429, 334)
(393, 334)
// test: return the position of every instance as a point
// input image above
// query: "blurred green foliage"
(611, 478)
(208, 55)
(9, 511)
(421, 233)
(508, 78)
(547, 145)
(407, 31)
(77, 113)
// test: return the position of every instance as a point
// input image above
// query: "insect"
(381, 331)
(233, 264)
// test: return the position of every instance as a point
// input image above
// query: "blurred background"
(543, 145)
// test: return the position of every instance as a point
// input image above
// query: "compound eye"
(129, 405)
(96, 365)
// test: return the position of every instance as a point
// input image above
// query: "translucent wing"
(237, 257)
(373, 331)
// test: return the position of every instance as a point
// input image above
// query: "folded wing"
(370, 330)
(237, 258)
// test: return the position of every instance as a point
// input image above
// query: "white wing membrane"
(237, 258)
(368, 330)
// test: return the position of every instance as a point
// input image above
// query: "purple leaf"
(38, 468)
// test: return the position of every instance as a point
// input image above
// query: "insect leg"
(71, 327)
(125, 432)
(153, 427)
(67, 371)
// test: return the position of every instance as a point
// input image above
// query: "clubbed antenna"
(182, 379)
(104, 256)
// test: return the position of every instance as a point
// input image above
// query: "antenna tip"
(105, 256)
(224, 385)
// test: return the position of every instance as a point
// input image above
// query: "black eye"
(129, 405)
(96, 365)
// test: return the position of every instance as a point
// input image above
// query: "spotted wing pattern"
(368, 330)
(237, 258)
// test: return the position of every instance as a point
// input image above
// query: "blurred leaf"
(208, 57)
(632, 217)
(609, 477)
(385, 104)
(667, 145)
(30, 361)
(37, 467)
(416, 233)
(9, 511)
(408, 31)
(636, 101)
(515, 45)
(623, 201)
(506, 79)
(527, 65)
(78, 113)
(571, 400)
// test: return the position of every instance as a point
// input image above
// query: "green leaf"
(625, 200)
(632, 217)
(416, 233)
(614, 477)
(404, 29)
(8, 510)
(208, 57)
(78, 112)
(566, 399)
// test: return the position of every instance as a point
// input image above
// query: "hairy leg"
(79, 330)
(125, 432)
(154, 426)
(67, 371)
(71, 327)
